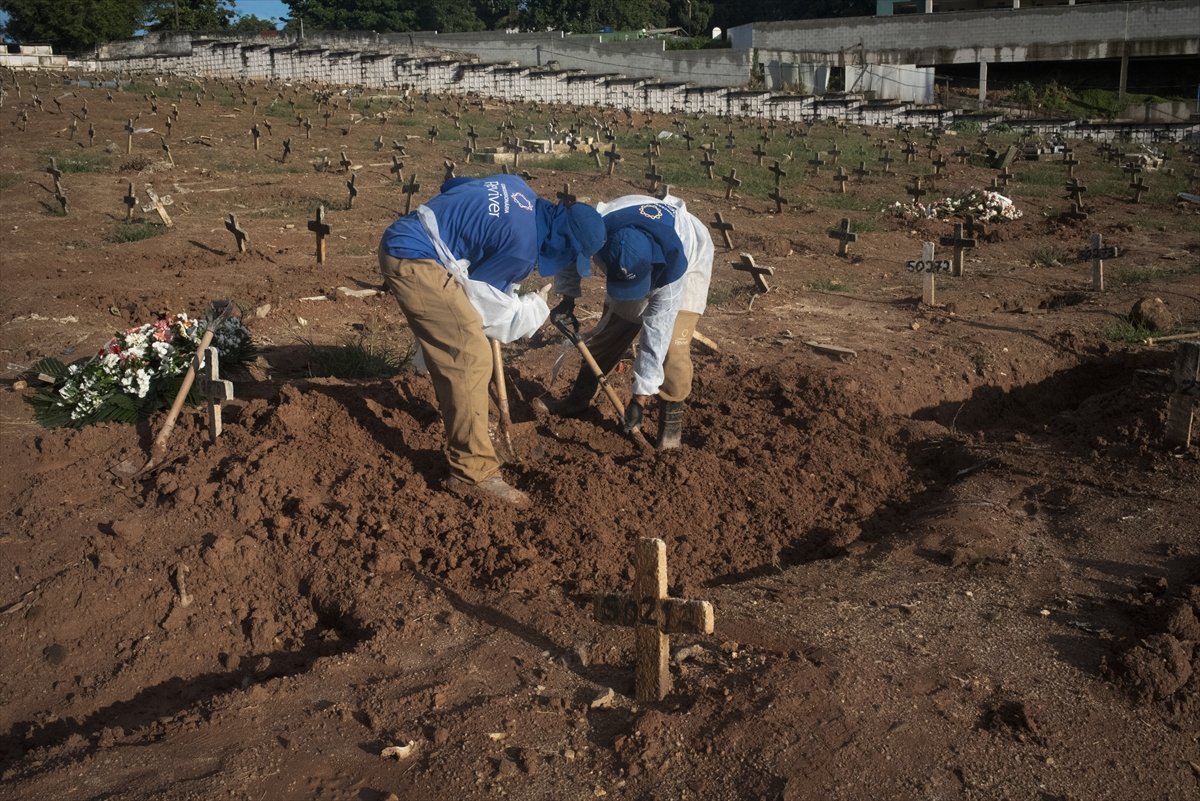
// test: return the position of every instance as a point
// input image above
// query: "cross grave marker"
(1139, 188)
(1181, 407)
(725, 228)
(130, 200)
(928, 267)
(708, 162)
(215, 390)
(757, 271)
(239, 234)
(732, 182)
(840, 179)
(159, 207)
(322, 229)
(1075, 191)
(1096, 252)
(613, 157)
(653, 615)
(411, 187)
(960, 243)
(916, 191)
(844, 236)
(352, 188)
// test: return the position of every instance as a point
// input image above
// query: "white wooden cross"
(928, 267)
(216, 390)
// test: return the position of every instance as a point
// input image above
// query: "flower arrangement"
(139, 371)
(982, 204)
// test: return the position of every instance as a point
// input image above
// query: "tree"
(249, 23)
(189, 15)
(71, 26)
(355, 15)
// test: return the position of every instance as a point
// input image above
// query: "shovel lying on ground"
(505, 450)
(577, 341)
(129, 469)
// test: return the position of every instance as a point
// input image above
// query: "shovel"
(505, 451)
(577, 341)
(127, 469)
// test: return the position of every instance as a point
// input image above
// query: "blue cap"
(587, 228)
(628, 258)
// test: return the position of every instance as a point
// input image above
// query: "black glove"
(633, 416)
(564, 314)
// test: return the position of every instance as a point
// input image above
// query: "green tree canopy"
(189, 15)
(71, 26)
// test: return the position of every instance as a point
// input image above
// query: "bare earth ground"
(959, 565)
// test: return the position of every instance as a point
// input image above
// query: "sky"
(265, 9)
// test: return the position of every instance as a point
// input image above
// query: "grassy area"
(1048, 256)
(135, 232)
(827, 285)
(355, 359)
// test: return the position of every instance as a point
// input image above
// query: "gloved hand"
(633, 415)
(564, 314)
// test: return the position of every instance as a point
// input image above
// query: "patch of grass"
(1122, 330)
(827, 285)
(1136, 275)
(856, 227)
(135, 232)
(78, 163)
(837, 200)
(355, 359)
(1048, 256)
(718, 296)
(52, 209)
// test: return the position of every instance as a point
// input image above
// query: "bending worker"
(657, 260)
(453, 265)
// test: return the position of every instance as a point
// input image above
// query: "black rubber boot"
(670, 424)
(579, 399)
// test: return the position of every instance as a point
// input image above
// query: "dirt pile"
(1163, 665)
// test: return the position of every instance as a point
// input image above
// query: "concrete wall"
(905, 82)
(1160, 28)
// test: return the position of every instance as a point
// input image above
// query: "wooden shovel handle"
(501, 384)
(160, 442)
(638, 436)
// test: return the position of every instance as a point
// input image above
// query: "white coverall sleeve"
(506, 317)
(658, 321)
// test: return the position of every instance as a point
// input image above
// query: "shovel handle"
(160, 442)
(501, 385)
(638, 436)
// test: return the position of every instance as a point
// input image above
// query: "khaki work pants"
(614, 335)
(459, 357)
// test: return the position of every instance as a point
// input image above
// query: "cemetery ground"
(950, 551)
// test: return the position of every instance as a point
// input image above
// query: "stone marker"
(725, 228)
(653, 615)
(928, 267)
(960, 243)
(411, 187)
(844, 236)
(322, 229)
(130, 200)
(352, 188)
(757, 271)
(1181, 408)
(1139, 188)
(239, 235)
(1096, 252)
(215, 390)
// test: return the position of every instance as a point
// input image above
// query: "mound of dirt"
(1163, 665)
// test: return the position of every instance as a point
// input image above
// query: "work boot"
(580, 397)
(495, 488)
(670, 424)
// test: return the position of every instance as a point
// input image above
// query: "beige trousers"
(458, 356)
(614, 335)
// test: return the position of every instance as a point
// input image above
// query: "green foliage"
(189, 15)
(970, 127)
(249, 23)
(135, 232)
(1122, 330)
(356, 359)
(71, 26)
(1048, 256)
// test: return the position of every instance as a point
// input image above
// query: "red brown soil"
(960, 565)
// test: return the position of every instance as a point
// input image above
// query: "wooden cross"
(928, 267)
(1071, 162)
(322, 230)
(1075, 190)
(974, 229)
(1004, 176)
(215, 390)
(345, 163)
(61, 196)
(397, 169)
(472, 136)
(960, 243)
(287, 150)
(257, 134)
(91, 134)
(910, 152)
(613, 157)
(780, 200)
(687, 137)
(1181, 408)
(916, 191)
(730, 140)
(653, 177)
(844, 236)
(1097, 252)
(157, 204)
(759, 153)
(130, 200)
(962, 154)
(411, 187)
(886, 160)
(732, 182)
(778, 172)
(231, 225)
(708, 162)
(129, 129)
(449, 167)
(1139, 188)
(817, 163)
(835, 153)
(1075, 213)
(939, 164)
(724, 227)
(53, 171)
(840, 179)
(1131, 169)
(757, 271)
(352, 187)
(166, 148)
(861, 171)
(74, 126)
(653, 615)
